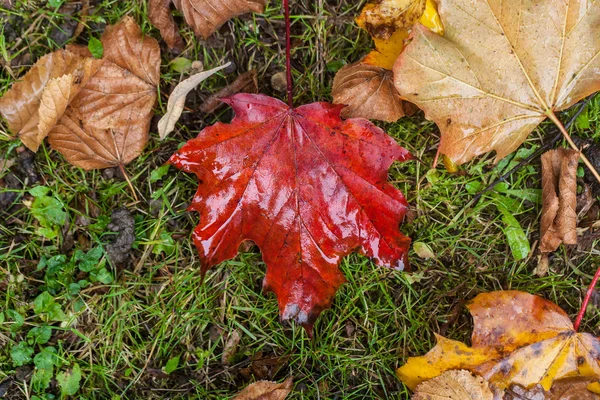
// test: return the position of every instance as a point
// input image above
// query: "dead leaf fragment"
(564, 389)
(454, 385)
(160, 16)
(383, 18)
(108, 122)
(498, 72)
(518, 338)
(368, 91)
(204, 16)
(231, 346)
(266, 390)
(176, 102)
(245, 83)
(559, 199)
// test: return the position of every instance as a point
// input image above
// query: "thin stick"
(567, 137)
(128, 182)
(542, 149)
(586, 300)
(288, 53)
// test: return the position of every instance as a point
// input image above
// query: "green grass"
(123, 333)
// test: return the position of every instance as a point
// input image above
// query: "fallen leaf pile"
(305, 186)
(559, 199)
(204, 16)
(95, 112)
(498, 71)
(367, 87)
(518, 339)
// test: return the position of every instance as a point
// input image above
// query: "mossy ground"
(123, 334)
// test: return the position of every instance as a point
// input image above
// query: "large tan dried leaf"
(33, 105)
(204, 16)
(108, 121)
(518, 338)
(559, 199)
(454, 385)
(368, 91)
(176, 102)
(500, 69)
(160, 15)
(266, 390)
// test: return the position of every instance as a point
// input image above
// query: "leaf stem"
(567, 137)
(288, 53)
(586, 300)
(128, 181)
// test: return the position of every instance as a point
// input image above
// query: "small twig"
(586, 300)
(567, 137)
(541, 150)
(128, 182)
(288, 53)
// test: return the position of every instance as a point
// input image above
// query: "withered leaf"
(110, 117)
(266, 390)
(367, 87)
(518, 339)
(384, 17)
(454, 385)
(177, 98)
(33, 105)
(95, 112)
(204, 16)
(500, 69)
(559, 199)
(159, 13)
(564, 389)
(368, 91)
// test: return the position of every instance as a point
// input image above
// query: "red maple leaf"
(306, 187)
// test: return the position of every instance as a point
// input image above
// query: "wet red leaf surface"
(306, 187)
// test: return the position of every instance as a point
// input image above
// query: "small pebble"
(279, 81)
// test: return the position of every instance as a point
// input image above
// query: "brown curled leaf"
(565, 389)
(559, 199)
(22, 104)
(266, 390)
(245, 83)
(368, 91)
(160, 15)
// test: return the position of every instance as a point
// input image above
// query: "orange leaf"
(518, 338)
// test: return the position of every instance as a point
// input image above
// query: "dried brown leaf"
(368, 91)
(559, 199)
(231, 346)
(385, 17)
(32, 105)
(266, 390)
(454, 385)
(564, 389)
(204, 16)
(245, 83)
(160, 15)
(108, 122)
